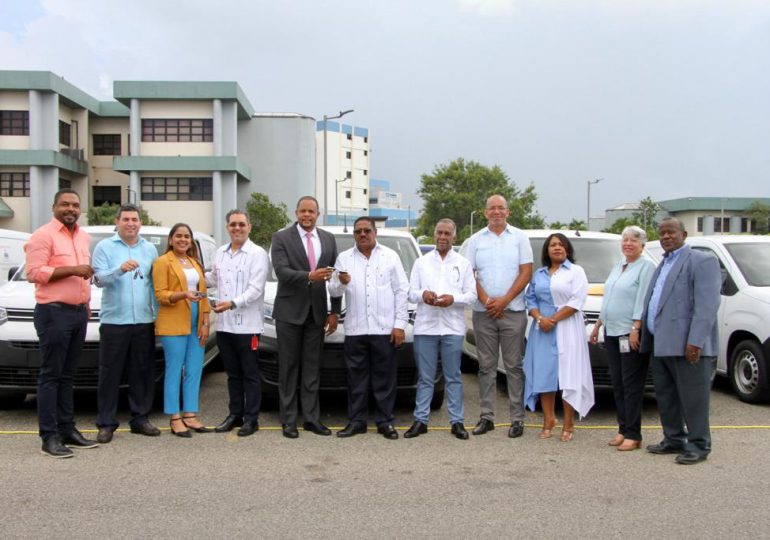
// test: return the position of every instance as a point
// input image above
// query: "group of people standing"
(669, 312)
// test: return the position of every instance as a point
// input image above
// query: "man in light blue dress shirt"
(501, 255)
(123, 269)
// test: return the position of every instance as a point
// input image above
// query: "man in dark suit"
(679, 328)
(303, 257)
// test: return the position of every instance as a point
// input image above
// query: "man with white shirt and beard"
(375, 286)
(441, 285)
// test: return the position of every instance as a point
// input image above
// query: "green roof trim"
(113, 109)
(728, 204)
(5, 210)
(125, 91)
(181, 163)
(43, 158)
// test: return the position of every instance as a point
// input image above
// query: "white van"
(19, 345)
(11, 252)
(744, 312)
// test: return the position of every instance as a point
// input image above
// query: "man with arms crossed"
(502, 257)
(303, 256)
(239, 273)
(679, 328)
(441, 285)
(375, 286)
(123, 268)
(58, 263)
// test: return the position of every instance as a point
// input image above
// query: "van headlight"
(3, 315)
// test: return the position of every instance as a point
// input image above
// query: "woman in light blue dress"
(557, 347)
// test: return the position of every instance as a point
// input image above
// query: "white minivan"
(11, 252)
(19, 345)
(744, 313)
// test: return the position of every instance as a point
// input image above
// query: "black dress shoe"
(317, 427)
(105, 435)
(516, 429)
(290, 431)
(75, 439)
(458, 430)
(690, 458)
(229, 423)
(388, 431)
(144, 428)
(352, 429)
(417, 429)
(249, 428)
(664, 448)
(53, 447)
(483, 426)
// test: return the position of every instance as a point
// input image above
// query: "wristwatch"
(232, 305)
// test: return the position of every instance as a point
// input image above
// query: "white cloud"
(489, 7)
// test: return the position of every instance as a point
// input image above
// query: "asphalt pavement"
(220, 485)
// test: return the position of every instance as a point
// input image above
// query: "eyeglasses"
(138, 274)
(362, 231)
(238, 224)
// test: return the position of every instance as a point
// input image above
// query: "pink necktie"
(310, 251)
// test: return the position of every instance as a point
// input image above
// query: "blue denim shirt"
(666, 265)
(127, 298)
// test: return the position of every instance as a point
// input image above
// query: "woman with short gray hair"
(621, 316)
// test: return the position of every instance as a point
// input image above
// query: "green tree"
(461, 188)
(646, 217)
(619, 225)
(557, 225)
(577, 225)
(105, 215)
(266, 218)
(759, 214)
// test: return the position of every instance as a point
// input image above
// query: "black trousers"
(128, 348)
(300, 347)
(61, 331)
(628, 372)
(371, 363)
(242, 366)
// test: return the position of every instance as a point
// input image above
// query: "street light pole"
(337, 201)
(472, 213)
(588, 202)
(326, 160)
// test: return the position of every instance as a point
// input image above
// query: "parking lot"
(218, 485)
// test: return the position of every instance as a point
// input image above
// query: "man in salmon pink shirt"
(59, 264)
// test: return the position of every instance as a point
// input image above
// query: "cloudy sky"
(660, 98)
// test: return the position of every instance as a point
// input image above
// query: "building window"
(65, 133)
(14, 184)
(64, 183)
(700, 224)
(745, 225)
(349, 136)
(176, 189)
(348, 174)
(722, 225)
(14, 122)
(364, 191)
(106, 145)
(177, 130)
(105, 194)
(366, 172)
(366, 152)
(366, 139)
(347, 194)
(348, 155)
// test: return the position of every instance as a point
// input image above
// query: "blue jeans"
(183, 352)
(426, 351)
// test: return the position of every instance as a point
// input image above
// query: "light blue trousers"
(426, 352)
(183, 354)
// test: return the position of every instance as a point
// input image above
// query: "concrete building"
(186, 151)
(347, 170)
(388, 204)
(713, 215)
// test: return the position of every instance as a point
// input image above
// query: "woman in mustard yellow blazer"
(183, 327)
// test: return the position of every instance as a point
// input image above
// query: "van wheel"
(748, 373)
(437, 400)
(12, 400)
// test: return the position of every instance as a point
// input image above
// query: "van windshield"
(753, 260)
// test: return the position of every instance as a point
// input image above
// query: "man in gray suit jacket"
(303, 257)
(679, 328)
